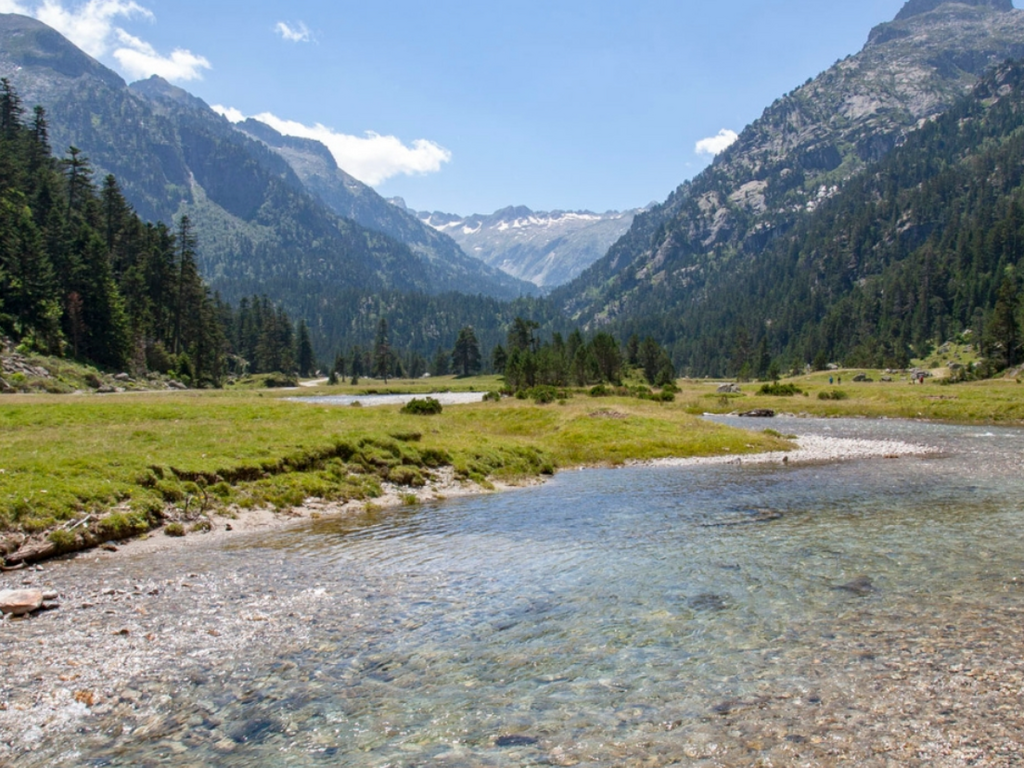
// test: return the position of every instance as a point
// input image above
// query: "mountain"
(260, 230)
(921, 248)
(346, 196)
(548, 249)
(798, 154)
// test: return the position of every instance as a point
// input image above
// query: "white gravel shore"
(811, 449)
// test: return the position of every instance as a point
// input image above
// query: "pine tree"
(304, 351)
(382, 351)
(466, 354)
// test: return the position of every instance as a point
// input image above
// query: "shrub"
(835, 394)
(775, 389)
(174, 529)
(599, 391)
(426, 407)
(280, 380)
(543, 395)
(492, 397)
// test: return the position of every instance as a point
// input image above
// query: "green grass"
(62, 457)
(997, 401)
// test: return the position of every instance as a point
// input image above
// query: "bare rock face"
(917, 7)
(19, 602)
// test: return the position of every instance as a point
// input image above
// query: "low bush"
(775, 389)
(427, 407)
(835, 394)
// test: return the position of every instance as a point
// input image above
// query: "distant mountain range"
(272, 214)
(545, 248)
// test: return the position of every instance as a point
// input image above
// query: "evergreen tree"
(466, 354)
(382, 351)
(304, 351)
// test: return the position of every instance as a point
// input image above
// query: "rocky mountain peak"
(29, 44)
(919, 7)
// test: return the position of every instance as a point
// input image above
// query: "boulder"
(729, 389)
(19, 602)
(759, 413)
(861, 377)
(176, 384)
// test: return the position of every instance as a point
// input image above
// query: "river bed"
(865, 612)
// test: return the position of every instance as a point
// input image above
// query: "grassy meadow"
(135, 459)
(62, 457)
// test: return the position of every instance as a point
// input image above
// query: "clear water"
(602, 616)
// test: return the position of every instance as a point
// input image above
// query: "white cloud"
(13, 6)
(715, 145)
(232, 114)
(91, 26)
(373, 159)
(139, 59)
(298, 34)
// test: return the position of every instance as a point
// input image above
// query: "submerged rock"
(862, 585)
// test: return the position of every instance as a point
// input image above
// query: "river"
(866, 611)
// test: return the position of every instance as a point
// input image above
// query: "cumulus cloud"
(139, 59)
(92, 27)
(232, 114)
(13, 6)
(715, 145)
(372, 158)
(296, 34)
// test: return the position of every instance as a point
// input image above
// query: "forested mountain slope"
(450, 268)
(259, 229)
(803, 149)
(925, 244)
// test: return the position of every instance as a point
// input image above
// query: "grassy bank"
(999, 401)
(132, 460)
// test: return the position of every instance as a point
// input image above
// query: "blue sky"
(466, 107)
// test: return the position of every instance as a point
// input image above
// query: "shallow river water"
(703, 615)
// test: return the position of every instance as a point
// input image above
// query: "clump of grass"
(176, 530)
(64, 540)
(123, 525)
(410, 499)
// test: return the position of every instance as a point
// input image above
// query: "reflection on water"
(599, 619)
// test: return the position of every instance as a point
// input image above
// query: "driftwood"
(17, 567)
(33, 552)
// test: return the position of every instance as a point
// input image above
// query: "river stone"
(18, 602)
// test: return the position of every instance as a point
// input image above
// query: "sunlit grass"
(65, 456)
